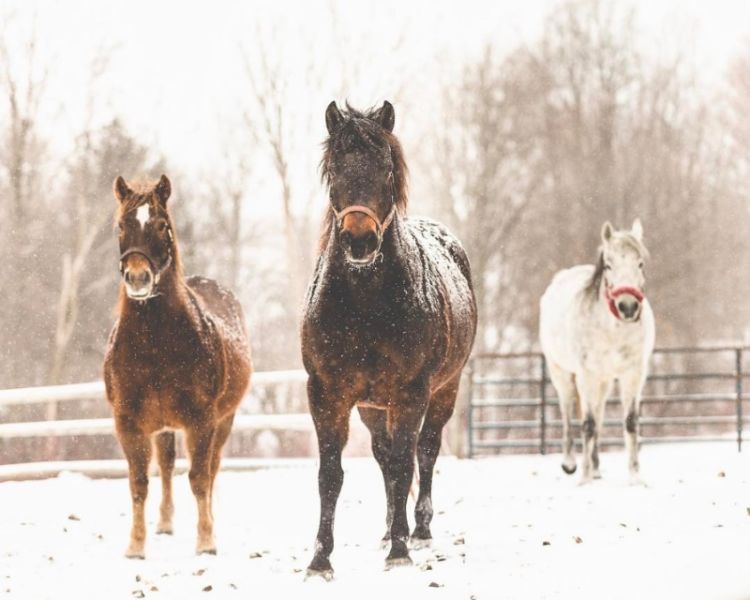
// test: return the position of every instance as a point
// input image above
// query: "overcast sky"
(176, 75)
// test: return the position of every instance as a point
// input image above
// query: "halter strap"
(143, 252)
(380, 226)
(611, 295)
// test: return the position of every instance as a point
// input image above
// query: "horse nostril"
(128, 277)
(628, 309)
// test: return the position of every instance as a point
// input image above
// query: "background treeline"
(529, 151)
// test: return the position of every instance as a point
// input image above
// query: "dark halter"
(380, 226)
(145, 253)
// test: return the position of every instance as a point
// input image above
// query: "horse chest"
(611, 351)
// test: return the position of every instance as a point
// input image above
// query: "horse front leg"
(330, 415)
(137, 448)
(565, 386)
(593, 393)
(376, 421)
(631, 387)
(199, 439)
(165, 453)
(405, 415)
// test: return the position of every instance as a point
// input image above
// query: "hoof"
(597, 474)
(569, 469)
(325, 574)
(391, 563)
(420, 543)
(164, 530)
(135, 554)
(211, 551)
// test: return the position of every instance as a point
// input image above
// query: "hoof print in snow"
(208, 588)
(577, 539)
(255, 555)
(425, 567)
(459, 541)
(138, 594)
(153, 588)
(199, 572)
(73, 517)
(435, 584)
(441, 557)
(722, 474)
(546, 543)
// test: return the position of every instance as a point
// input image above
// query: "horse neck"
(170, 303)
(364, 285)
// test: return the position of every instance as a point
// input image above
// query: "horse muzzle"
(139, 281)
(625, 303)
(361, 234)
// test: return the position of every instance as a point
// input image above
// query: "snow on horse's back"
(595, 326)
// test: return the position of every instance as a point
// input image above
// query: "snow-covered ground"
(506, 527)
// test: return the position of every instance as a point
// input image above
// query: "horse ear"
(386, 116)
(334, 118)
(163, 189)
(121, 189)
(637, 230)
(607, 231)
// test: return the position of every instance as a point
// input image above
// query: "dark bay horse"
(178, 358)
(389, 323)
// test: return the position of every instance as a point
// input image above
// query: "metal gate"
(692, 394)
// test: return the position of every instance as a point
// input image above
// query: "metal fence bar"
(470, 416)
(738, 389)
(531, 421)
(543, 407)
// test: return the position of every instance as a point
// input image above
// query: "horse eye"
(640, 265)
(161, 226)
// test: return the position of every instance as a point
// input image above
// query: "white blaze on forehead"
(143, 213)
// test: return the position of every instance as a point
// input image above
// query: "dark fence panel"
(692, 394)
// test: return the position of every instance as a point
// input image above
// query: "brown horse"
(389, 323)
(178, 358)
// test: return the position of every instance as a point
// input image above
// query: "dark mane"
(592, 288)
(362, 132)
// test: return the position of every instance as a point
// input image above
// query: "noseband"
(611, 295)
(380, 226)
(145, 254)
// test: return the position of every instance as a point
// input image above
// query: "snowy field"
(507, 527)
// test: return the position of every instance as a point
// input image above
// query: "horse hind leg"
(565, 385)
(223, 429)
(428, 447)
(165, 454)
(377, 422)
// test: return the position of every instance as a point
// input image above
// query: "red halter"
(611, 295)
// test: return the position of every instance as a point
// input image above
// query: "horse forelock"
(361, 132)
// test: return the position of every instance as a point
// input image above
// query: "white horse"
(595, 326)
